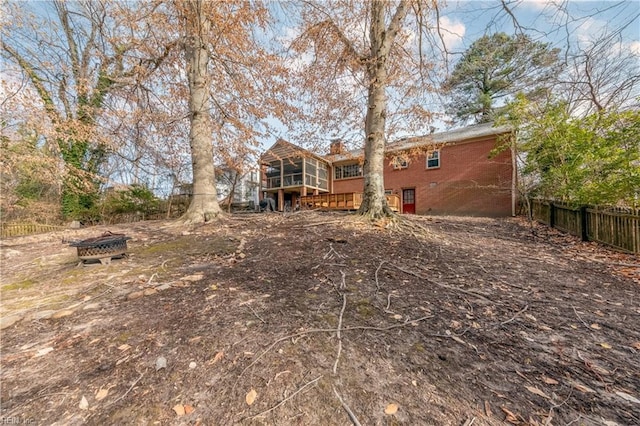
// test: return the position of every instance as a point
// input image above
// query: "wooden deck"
(344, 201)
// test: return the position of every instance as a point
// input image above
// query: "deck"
(344, 201)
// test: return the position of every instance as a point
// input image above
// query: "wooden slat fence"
(613, 226)
(19, 229)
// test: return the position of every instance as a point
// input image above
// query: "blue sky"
(546, 20)
(568, 25)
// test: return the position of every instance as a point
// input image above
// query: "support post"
(584, 234)
(281, 199)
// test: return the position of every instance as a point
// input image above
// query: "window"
(400, 162)
(273, 175)
(347, 171)
(433, 160)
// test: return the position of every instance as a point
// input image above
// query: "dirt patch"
(317, 318)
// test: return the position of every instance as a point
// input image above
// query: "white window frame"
(433, 156)
(400, 162)
(339, 170)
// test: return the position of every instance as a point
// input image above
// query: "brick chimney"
(337, 147)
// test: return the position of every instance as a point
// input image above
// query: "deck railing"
(343, 201)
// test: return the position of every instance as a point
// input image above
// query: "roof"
(283, 149)
(451, 136)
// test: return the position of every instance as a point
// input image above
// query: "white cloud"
(634, 47)
(452, 31)
(538, 4)
(590, 29)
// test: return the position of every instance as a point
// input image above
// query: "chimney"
(336, 147)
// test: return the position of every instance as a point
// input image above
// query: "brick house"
(438, 174)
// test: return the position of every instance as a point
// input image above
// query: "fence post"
(583, 224)
(530, 205)
(552, 215)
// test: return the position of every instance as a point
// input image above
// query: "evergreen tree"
(493, 70)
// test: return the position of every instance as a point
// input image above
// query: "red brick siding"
(468, 182)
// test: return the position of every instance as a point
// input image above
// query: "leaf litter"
(509, 314)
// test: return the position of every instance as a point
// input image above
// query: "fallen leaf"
(391, 409)
(536, 391)
(583, 388)
(161, 362)
(457, 339)
(84, 404)
(124, 347)
(217, 358)
(102, 394)
(628, 397)
(595, 326)
(487, 409)
(605, 345)
(43, 351)
(599, 313)
(251, 396)
(549, 380)
(511, 418)
(397, 316)
(193, 278)
(636, 345)
(188, 409)
(179, 409)
(599, 369)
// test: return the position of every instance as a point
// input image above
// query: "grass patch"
(365, 309)
(190, 246)
(20, 285)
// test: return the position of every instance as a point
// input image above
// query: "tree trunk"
(204, 204)
(374, 203)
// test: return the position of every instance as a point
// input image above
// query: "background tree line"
(156, 93)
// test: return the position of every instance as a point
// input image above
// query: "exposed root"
(306, 385)
(352, 416)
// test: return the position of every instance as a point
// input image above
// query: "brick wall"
(468, 182)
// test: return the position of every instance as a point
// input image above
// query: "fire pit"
(102, 248)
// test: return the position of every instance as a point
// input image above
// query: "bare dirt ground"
(319, 319)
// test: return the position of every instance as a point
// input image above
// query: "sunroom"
(289, 172)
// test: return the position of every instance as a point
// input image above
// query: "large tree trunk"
(204, 204)
(374, 203)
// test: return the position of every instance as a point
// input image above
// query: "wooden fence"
(613, 226)
(19, 229)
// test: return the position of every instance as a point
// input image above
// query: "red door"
(409, 201)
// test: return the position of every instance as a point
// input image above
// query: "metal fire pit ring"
(102, 248)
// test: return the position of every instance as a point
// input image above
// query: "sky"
(566, 24)
(546, 20)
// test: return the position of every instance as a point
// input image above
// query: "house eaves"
(449, 137)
